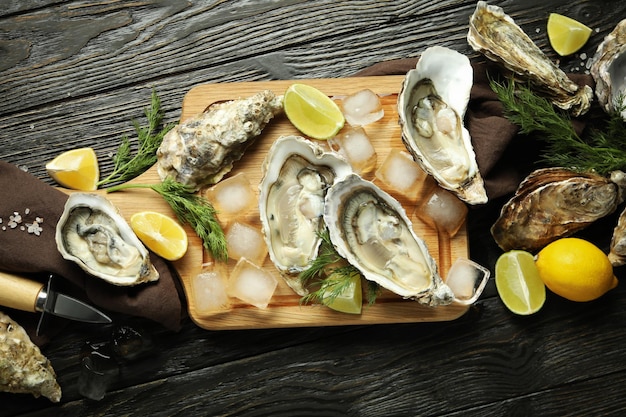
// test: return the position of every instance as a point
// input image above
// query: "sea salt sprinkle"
(17, 222)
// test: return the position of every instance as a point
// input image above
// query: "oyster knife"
(27, 295)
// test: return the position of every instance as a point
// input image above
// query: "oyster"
(431, 106)
(497, 36)
(617, 252)
(371, 230)
(201, 150)
(296, 176)
(608, 69)
(23, 368)
(552, 203)
(93, 234)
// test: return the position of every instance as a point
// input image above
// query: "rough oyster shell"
(371, 230)
(552, 203)
(617, 252)
(609, 68)
(201, 150)
(431, 107)
(23, 368)
(296, 176)
(495, 34)
(93, 234)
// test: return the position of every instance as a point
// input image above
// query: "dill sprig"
(601, 151)
(128, 165)
(332, 274)
(192, 209)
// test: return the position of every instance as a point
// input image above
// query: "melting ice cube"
(209, 289)
(251, 284)
(246, 241)
(467, 279)
(354, 145)
(443, 211)
(362, 108)
(233, 196)
(400, 172)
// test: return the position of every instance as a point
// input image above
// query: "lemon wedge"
(518, 283)
(76, 169)
(162, 234)
(312, 112)
(566, 35)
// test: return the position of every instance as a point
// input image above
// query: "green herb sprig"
(330, 263)
(601, 151)
(128, 165)
(192, 209)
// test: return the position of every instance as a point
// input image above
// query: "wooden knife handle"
(18, 292)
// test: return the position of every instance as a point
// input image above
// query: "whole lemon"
(575, 269)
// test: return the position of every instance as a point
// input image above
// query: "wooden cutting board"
(285, 309)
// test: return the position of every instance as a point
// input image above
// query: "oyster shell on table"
(371, 230)
(23, 368)
(555, 202)
(608, 69)
(296, 176)
(431, 106)
(496, 35)
(202, 149)
(93, 234)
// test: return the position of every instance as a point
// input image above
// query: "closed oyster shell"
(296, 175)
(431, 107)
(371, 230)
(617, 252)
(552, 203)
(608, 69)
(201, 150)
(93, 234)
(23, 368)
(494, 33)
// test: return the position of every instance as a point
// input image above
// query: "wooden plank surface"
(74, 73)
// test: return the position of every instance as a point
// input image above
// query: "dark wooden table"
(74, 73)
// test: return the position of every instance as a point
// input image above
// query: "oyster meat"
(23, 368)
(296, 175)
(552, 203)
(201, 150)
(496, 35)
(371, 230)
(93, 234)
(608, 69)
(431, 106)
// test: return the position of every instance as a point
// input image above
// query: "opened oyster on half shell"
(296, 176)
(371, 230)
(431, 106)
(496, 35)
(608, 69)
(93, 234)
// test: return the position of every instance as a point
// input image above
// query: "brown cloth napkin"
(504, 157)
(29, 211)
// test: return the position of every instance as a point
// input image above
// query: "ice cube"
(98, 370)
(210, 289)
(355, 146)
(246, 241)
(443, 211)
(233, 196)
(362, 108)
(251, 284)
(400, 172)
(467, 280)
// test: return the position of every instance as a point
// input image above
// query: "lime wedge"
(566, 35)
(518, 283)
(312, 112)
(347, 301)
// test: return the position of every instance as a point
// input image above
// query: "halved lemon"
(566, 35)
(312, 112)
(162, 234)
(76, 169)
(518, 283)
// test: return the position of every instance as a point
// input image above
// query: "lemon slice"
(76, 169)
(312, 112)
(160, 233)
(350, 300)
(566, 35)
(518, 283)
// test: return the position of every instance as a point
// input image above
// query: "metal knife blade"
(27, 295)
